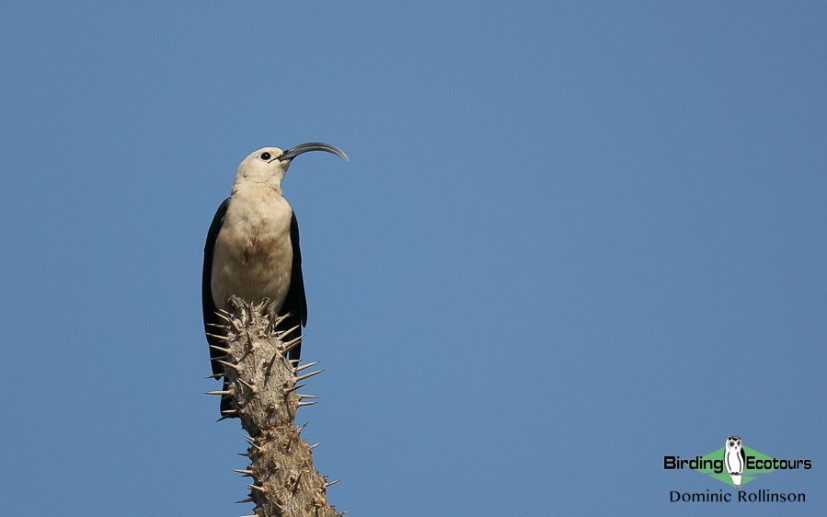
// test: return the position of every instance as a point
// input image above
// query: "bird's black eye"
(265, 156)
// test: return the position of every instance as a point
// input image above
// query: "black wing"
(210, 318)
(295, 302)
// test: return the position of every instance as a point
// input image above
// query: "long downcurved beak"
(312, 146)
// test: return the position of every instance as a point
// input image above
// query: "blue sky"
(572, 238)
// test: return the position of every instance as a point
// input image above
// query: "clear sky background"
(573, 237)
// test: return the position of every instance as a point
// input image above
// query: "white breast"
(253, 255)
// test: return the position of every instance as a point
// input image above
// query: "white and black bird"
(252, 248)
(735, 459)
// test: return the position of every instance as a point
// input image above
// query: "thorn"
(294, 388)
(225, 316)
(302, 396)
(245, 473)
(248, 500)
(308, 365)
(220, 349)
(281, 318)
(332, 483)
(249, 385)
(230, 365)
(274, 323)
(296, 483)
(245, 454)
(300, 428)
(290, 345)
(214, 376)
(270, 365)
(218, 326)
(216, 336)
(300, 404)
(314, 445)
(228, 413)
(222, 393)
(290, 331)
(258, 488)
(253, 444)
(307, 375)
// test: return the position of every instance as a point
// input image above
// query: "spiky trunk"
(262, 388)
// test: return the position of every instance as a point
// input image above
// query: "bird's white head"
(268, 165)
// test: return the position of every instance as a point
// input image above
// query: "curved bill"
(312, 146)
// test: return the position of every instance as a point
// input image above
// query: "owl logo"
(734, 459)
